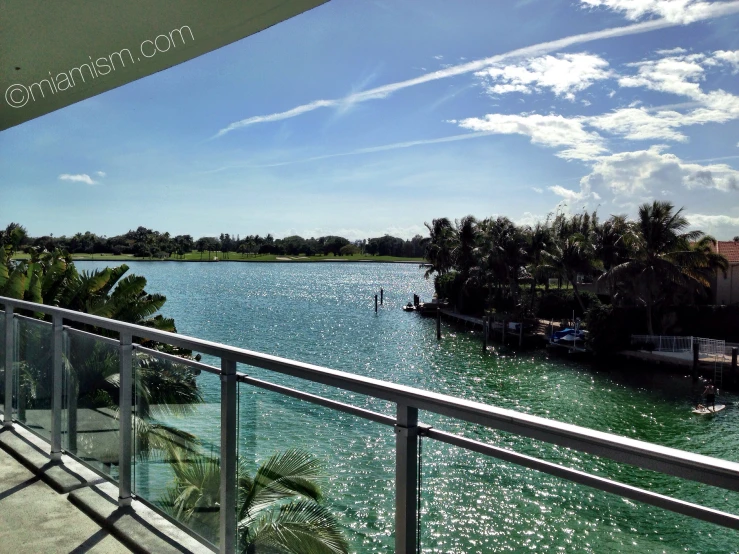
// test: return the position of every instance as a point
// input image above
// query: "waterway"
(323, 313)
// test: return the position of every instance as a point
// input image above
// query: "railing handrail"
(687, 465)
(640, 453)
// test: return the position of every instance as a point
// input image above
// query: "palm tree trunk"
(649, 302)
(577, 292)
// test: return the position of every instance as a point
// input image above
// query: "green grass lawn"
(235, 257)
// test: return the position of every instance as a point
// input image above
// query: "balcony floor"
(35, 518)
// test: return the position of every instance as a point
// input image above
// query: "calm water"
(324, 313)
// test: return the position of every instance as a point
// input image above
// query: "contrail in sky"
(368, 150)
(712, 11)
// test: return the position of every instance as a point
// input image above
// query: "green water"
(324, 313)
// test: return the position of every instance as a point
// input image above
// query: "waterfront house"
(725, 287)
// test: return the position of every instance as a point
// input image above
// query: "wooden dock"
(465, 319)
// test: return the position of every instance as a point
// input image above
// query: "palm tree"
(279, 508)
(569, 257)
(611, 245)
(464, 243)
(539, 241)
(439, 247)
(666, 256)
(91, 366)
(504, 254)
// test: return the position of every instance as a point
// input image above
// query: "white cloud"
(728, 57)
(478, 65)
(529, 219)
(640, 124)
(553, 131)
(642, 171)
(673, 74)
(671, 51)
(676, 11)
(80, 178)
(100, 173)
(563, 74)
(710, 221)
(537, 190)
(572, 195)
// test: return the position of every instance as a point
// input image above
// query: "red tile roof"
(729, 249)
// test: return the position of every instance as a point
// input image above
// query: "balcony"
(115, 441)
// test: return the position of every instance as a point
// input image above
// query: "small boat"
(709, 410)
(571, 339)
(409, 307)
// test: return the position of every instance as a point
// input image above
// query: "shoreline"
(282, 261)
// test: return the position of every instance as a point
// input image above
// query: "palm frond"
(301, 527)
(286, 474)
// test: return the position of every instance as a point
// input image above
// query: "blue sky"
(364, 118)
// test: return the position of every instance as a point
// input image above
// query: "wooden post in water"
(484, 334)
(733, 363)
(375, 303)
(696, 352)
(502, 333)
(438, 323)
(382, 294)
(520, 334)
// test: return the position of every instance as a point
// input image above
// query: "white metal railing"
(664, 343)
(408, 429)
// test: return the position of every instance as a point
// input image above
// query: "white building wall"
(727, 288)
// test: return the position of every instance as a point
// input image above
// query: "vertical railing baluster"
(228, 457)
(9, 344)
(57, 337)
(72, 392)
(125, 353)
(406, 480)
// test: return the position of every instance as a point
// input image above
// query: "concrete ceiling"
(54, 53)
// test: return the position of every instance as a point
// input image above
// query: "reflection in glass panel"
(2, 363)
(325, 474)
(477, 504)
(33, 374)
(177, 441)
(90, 394)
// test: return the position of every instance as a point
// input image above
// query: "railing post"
(125, 353)
(228, 457)
(56, 383)
(9, 343)
(406, 480)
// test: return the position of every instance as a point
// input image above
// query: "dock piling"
(733, 363)
(382, 294)
(696, 352)
(484, 334)
(520, 334)
(375, 303)
(502, 333)
(438, 323)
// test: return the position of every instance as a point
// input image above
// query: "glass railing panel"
(33, 374)
(176, 436)
(474, 503)
(361, 401)
(2, 363)
(350, 460)
(90, 400)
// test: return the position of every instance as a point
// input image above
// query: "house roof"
(729, 249)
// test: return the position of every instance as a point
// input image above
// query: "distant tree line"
(148, 243)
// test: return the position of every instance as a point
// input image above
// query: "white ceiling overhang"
(54, 53)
